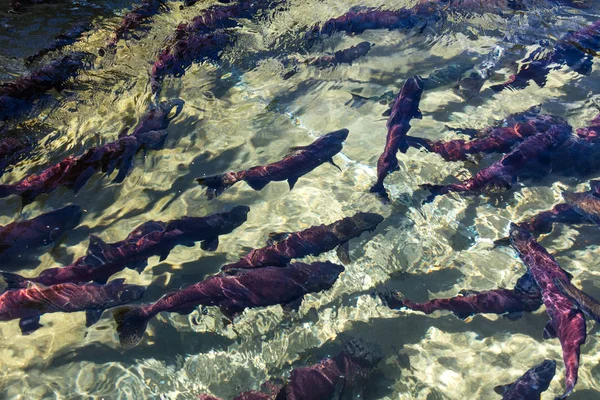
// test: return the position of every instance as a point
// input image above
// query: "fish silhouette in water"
(346, 56)
(530, 158)
(525, 297)
(200, 40)
(567, 322)
(29, 304)
(332, 378)
(531, 385)
(315, 240)
(75, 171)
(17, 5)
(18, 97)
(300, 161)
(498, 139)
(13, 150)
(456, 74)
(406, 107)
(64, 39)
(359, 20)
(543, 222)
(21, 239)
(153, 238)
(438, 78)
(219, 16)
(247, 289)
(134, 19)
(176, 58)
(579, 208)
(576, 50)
(579, 156)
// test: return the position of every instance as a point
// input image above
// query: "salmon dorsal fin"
(92, 316)
(292, 151)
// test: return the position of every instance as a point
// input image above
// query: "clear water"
(241, 113)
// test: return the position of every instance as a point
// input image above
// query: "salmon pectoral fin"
(549, 332)
(343, 253)
(210, 244)
(513, 316)
(330, 161)
(293, 305)
(292, 182)
(29, 325)
(92, 316)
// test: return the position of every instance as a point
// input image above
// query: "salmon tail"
(389, 297)
(436, 190)
(377, 188)
(131, 325)
(380, 192)
(217, 184)
(14, 281)
(569, 388)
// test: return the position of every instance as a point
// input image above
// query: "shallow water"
(240, 112)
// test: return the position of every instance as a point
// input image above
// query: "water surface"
(240, 112)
